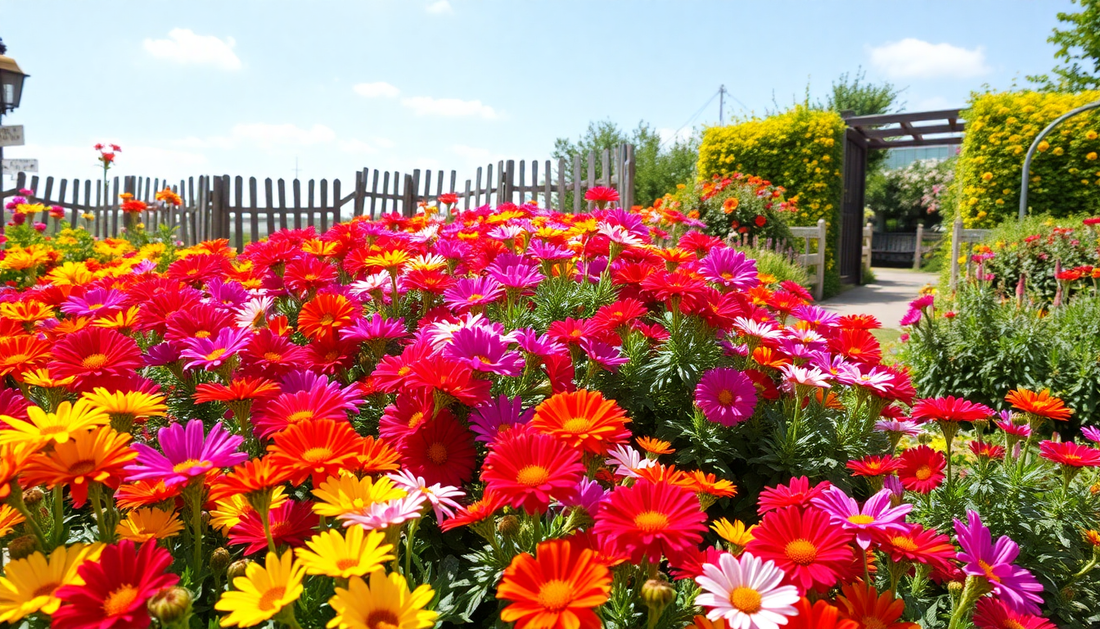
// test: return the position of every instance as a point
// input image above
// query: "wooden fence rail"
(959, 236)
(813, 253)
(241, 210)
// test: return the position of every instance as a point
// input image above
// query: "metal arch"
(1026, 175)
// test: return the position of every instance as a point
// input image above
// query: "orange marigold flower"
(559, 587)
(654, 446)
(711, 485)
(582, 419)
(1041, 404)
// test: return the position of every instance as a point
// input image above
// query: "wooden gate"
(849, 251)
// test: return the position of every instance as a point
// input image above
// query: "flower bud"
(508, 525)
(170, 605)
(219, 560)
(657, 594)
(237, 569)
(33, 496)
(955, 588)
(22, 547)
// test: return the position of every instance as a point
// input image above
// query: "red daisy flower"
(317, 448)
(986, 450)
(529, 468)
(806, 545)
(860, 322)
(650, 520)
(991, 613)
(1069, 453)
(619, 314)
(582, 419)
(916, 544)
(489, 503)
(921, 469)
(798, 493)
(306, 275)
(874, 465)
(303, 406)
(115, 588)
(291, 524)
(408, 412)
(950, 409)
(859, 345)
(441, 451)
(94, 353)
(325, 314)
(392, 371)
(202, 321)
(449, 377)
(271, 356)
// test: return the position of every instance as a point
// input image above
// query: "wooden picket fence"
(243, 210)
(960, 237)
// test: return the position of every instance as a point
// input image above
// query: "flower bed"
(501, 416)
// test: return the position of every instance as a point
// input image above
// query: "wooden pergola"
(883, 131)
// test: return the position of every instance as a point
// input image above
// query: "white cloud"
(183, 46)
(440, 8)
(914, 58)
(59, 160)
(357, 147)
(376, 90)
(448, 107)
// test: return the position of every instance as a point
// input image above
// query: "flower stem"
(409, 535)
(58, 517)
(16, 501)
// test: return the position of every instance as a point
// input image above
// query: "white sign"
(11, 135)
(13, 166)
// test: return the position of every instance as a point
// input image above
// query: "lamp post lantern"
(11, 89)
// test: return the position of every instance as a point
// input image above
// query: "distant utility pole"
(721, 104)
(296, 169)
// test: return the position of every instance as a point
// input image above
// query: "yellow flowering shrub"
(1065, 176)
(801, 150)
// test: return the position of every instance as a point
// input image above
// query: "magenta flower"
(912, 317)
(1015, 586)
(374, 328)
(547, 252)
(470, 292)
(519, 275)
(816, 316)
(726, 396)
(211, 353)
(1091, 433)
(805, 376)
(729, 268)
(187, 454)
(495, 416)
(605, 355)
(480, 349)
(922, 302)
(94, 303)
(876, 515)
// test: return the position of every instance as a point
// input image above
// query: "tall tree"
(1078, 49)
(852, 92)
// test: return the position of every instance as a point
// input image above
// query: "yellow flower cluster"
(800, 149)
(1000, 129)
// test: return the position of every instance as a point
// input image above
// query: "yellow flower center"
(872, 622)
(404, 370)
(273, 356)
(801, 551)
(383, 619)
(651, 521)
(725, 398)
(46, 589)
(746, 600)
(904, 543)
(988, 570)
(346, 562)
(577, 425)
(95, 361)
(203, 334)
(316, 455)
(475, 297)
(190, 463)
(299, 416)
(15, 359)
(555, 595)
(532, 475)
(120, 601)
(80, 468)
(437, 453)
(860, 518)
(416, 419)
(216, 354)
(923, 472)
(327, 320)
(1012, 623)
(271, 598)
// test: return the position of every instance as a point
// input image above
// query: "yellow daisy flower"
(263, 592)
(28, 584)
(735, 533)
(334, 555)
(44, 427)
(229, 512)
(126, 407)
(339, 495)
(386, 602)
(142, 525)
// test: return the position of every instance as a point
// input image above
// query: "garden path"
(887, 297)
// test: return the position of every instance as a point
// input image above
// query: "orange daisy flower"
(377, 456)
(1041, 404)
(144, 493)
(711, 485)
(95, 456)
(863, 604)
(583, 419)
(26, 311)
(9, 519)
(559, 587)
(254, 475)
(324, 315)
(318, 448)
(768, 357)
(654, 446)
(22, 353)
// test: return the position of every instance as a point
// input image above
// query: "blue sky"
(247, 86)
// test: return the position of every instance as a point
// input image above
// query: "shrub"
(904, 197)
(801, 150)
(779, 266)
(1065, 173)
(742, 205)
(982, 344)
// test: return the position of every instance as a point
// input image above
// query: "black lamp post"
(11, 88)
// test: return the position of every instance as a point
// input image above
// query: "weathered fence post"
(956, 246)
(408, 198)
(868, 241)
(819, 279)
(917, 250)
(128, 186)
(509, 182)
(628, 184)
(219, 214)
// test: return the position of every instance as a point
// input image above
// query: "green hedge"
(801, 150)
(1065, 173)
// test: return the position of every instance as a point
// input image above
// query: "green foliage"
(1065, 173)
(904, 197)
(1078, 49)
(739, 205)
(1033, 248)
(658, 165)
(992, 346)
(853, 93)
(801, 150)
(779, 266)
